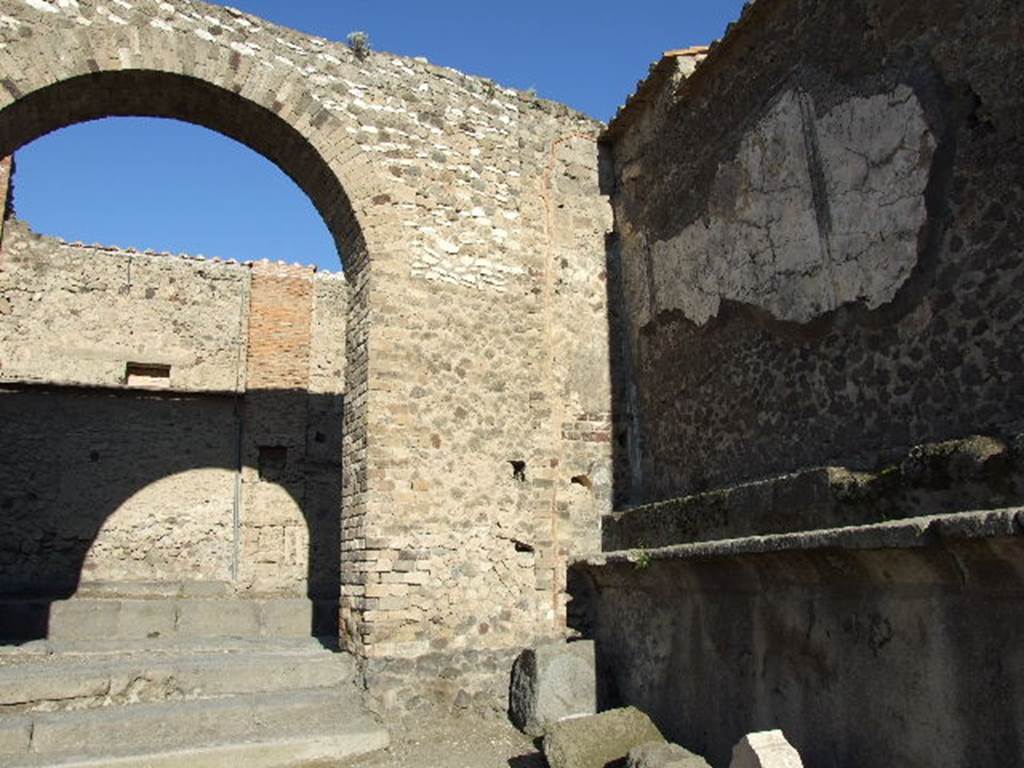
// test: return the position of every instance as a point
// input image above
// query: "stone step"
(278, 729)
(160, 645)
(940, 478)
(129, 618)
(69, 680)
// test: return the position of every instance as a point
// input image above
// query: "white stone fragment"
(245, 49)
(41, 5)
(766, 749)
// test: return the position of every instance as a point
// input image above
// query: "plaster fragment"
(776, 237)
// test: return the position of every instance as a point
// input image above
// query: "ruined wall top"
(335, 70)
(102, 316)
(443, 157)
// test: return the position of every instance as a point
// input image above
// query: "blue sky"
(203, 193)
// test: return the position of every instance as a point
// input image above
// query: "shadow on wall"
(72, 458)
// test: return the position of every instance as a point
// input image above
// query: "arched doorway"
(306, 143)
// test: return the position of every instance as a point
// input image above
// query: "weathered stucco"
(816, 249)
(812, 213)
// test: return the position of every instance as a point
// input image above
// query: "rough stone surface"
(468, 682)
(810, 240)
(552, 682)
(767, 749)
(109, 478)
(449, 196)
(979, 472)
(595, 741)
(663, 755)
(834, 633)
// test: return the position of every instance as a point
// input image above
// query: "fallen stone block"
(595, 741)
(767, 749)
(659, 754)
(552, 682)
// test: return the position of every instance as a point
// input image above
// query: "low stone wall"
(472, 682)
(894, 644)
(980, 472)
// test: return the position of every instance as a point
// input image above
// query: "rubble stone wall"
(819, 248)
(477, 440)
(168, 419)
(867, 652)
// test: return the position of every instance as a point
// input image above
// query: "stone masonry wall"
(819, 248)
(225, 468)
(79, 315)
(472, 227)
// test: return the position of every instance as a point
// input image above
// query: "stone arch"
(81, 74)
(274, 115)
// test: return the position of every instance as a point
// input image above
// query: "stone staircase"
(200, 702)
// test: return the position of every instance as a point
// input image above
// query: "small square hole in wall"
(150, 375)
(273, 460)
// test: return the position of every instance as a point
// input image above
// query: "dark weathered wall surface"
(130, 486)
(863, 657)
(820, 238)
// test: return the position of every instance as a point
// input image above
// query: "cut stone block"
(218, 618)
(657, 754)
(552, 682)
(597, 740)
(15, 734)
(767, 749)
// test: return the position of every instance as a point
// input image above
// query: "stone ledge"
(917, 532)
(978, 472)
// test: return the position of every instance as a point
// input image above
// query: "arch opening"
(156, 184)
(290, 402)
(146, 93)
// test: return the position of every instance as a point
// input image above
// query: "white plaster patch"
(767, 241)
